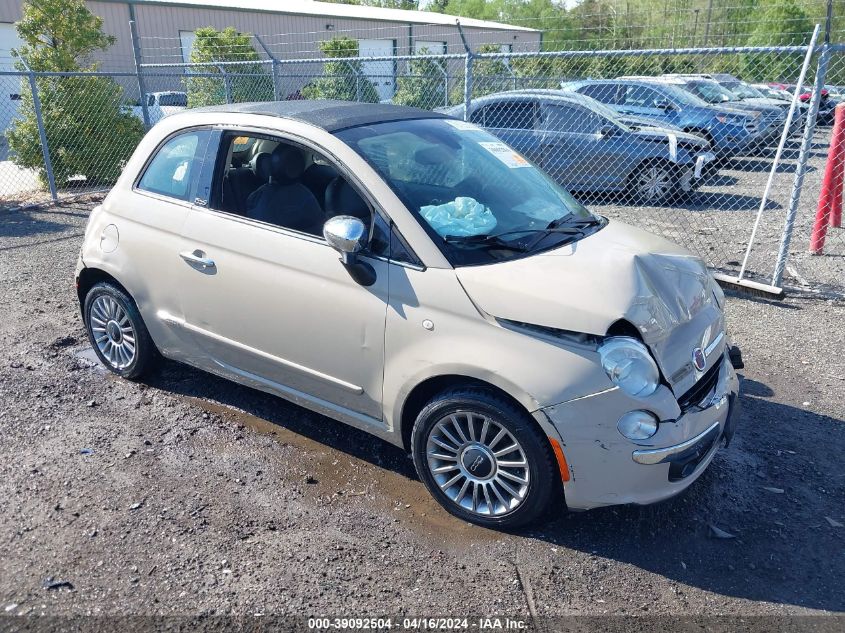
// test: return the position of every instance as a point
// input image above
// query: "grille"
(695, 394)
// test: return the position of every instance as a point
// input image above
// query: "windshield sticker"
(505, 154)
(462, 125)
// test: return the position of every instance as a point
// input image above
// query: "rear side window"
(175, 99)
(176, 165)
(512, 115)
(606, 93)
(572, 119)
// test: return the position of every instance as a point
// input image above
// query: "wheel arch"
(425, 390)
(89, 277)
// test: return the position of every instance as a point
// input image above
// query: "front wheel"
(652, 183)
(484, 459)
(117, 332)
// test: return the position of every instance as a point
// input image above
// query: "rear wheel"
(483, 459)
(652, 183)
(117, 332)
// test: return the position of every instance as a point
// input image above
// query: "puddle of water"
(335, 471)
(339, 472)
(88, 357)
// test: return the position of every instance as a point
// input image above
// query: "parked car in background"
(584, 146)
(728, 130)
(772, 111)
(836, 92)
(439, 292)
(805, 93)
(161, 104)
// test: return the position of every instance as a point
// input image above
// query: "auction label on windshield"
(505, 154)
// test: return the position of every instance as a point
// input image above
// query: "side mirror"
(663, 105)
(606, 131)
(346, 234)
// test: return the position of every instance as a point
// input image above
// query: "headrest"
(319, 176)
(261, 166)
(286, 164)
(342, 199)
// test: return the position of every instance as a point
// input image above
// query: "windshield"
(744, 91)
(712, 92)
(480, 200)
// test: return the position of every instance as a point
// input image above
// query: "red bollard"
(838, 182)
(829, 210)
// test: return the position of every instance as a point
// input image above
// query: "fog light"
(637, 425)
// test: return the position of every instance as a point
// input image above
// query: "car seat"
(284, 200)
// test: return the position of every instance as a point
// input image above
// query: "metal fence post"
(801, 167)
(42, 133)
(274, 65)
(136, 54)
(467, 72)
(226, 87)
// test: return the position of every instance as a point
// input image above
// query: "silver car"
(412, 275)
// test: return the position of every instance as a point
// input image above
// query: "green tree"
(88, 132)
(241, 82)
(777, 24)
(342, 79)
(425, 84)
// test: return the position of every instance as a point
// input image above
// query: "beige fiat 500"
(411, 275)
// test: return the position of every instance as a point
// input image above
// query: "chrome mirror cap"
(345, 234)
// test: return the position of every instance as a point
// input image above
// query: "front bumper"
(608, 469)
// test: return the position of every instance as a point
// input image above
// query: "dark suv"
(728, 130)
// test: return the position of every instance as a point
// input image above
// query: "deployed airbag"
(463, 216)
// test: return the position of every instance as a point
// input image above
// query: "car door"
(515, 122)
(276, 308)
(575, 152)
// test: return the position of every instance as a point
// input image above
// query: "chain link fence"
(665, 139)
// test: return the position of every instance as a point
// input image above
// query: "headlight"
(629, 366)
(637, 425)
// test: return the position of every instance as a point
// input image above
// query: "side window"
(641, 97)
(176, 165)
(572, 119)
(606, 93)
(518, 115)
(386, 242)
(274, 181)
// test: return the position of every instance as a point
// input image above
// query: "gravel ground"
(192, 495)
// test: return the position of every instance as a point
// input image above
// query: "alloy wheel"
(112, 331)
(478, 464)
(653, 182)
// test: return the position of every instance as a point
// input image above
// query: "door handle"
(197, 258)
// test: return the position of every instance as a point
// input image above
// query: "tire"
(686, 189)
(117, 332)
(470, 459)
(653, 183)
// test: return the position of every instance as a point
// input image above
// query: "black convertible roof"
(329, 115)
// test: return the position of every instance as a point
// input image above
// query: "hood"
(767, 102)
(653, 133)
(619, 272)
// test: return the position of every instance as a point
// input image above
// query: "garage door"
(431, 48)
(383, 73)
(9, 86)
